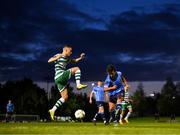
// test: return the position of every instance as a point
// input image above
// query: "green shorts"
(62, 80)
(126, 105)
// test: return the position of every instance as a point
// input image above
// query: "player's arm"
(126, 86)
(78, 59)
(110, 88)
(55, 57)
(90, 97)
(131, 100)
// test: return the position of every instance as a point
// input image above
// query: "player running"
(126, 104)
(98, 91)
(62, 75)
(115, 84)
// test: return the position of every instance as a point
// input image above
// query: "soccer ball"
(79, 114)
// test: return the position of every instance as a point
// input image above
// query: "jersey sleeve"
(69, 60)
(93, 90)
(120, 74)
(106, 82)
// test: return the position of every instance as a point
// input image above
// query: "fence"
(20, 117)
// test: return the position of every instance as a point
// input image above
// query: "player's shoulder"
(100, 88)
(64, 59)
(119, 72)
(94, 88)
(107, 78)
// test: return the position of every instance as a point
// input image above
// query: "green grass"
(138, 126)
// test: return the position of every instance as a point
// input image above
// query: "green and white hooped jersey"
(126, 103)
(126, 96)
(60, 66)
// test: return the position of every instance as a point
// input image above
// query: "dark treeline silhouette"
(28, 98)
(165, 103)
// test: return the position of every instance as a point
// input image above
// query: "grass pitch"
(137, 126)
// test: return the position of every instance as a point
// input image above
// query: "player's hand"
(126, 87)
(82, 55)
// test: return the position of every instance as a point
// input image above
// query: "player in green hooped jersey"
(126, 104)
(62, 75)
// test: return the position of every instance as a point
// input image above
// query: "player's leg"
(111, 111)
(6, 119)
(121, 116)
(98, 103)
(120, 97)
(101, 112)
(129, 113)
(61, 82)
(117, 110)
(77, 72)
(64, 97)
(10, 116)
(96, 115)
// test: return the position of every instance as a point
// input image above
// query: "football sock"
(77, 77)
(58, 104)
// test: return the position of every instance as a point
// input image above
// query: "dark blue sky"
(140, 37)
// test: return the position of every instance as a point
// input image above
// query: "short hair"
(67, 46)
(110, 68)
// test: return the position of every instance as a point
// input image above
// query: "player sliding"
(115, 84)
(62, 75)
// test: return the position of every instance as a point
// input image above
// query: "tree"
(167, 100)
(178, 96)
(178, 88)
(169, 88)
(139, 100)
(27, 97)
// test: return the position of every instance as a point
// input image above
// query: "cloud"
(152, 58)
(145, 43)
(155, 30)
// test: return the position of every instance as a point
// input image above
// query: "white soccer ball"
(79, 114)
(93, 84)
(152, 95)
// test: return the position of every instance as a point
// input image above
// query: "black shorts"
(9, 113)
(113, 98)
(99, 103)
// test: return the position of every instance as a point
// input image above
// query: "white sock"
(77, 83)
(78, 77)
(58, 104)
(54, 108)
(127, 116)
(121, 116)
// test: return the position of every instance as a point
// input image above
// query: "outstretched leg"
(77, 72)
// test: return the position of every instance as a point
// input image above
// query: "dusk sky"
(140, 37)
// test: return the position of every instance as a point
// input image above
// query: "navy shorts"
(113, 98)
(99, 103)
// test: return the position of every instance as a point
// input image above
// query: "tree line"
(29, 98)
